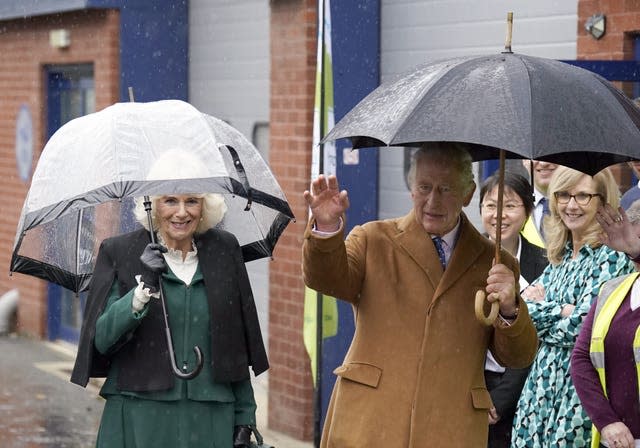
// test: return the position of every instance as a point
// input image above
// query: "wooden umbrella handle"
(493, 314)
(480, 295)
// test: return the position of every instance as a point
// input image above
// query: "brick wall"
(622, 23)
(293, 61)
(25, 50)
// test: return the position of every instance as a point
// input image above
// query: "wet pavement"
(40, 408)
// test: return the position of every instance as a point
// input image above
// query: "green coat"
(194, 413)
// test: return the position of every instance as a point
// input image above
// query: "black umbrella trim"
(29, 266)
(80, 282)
(264, 248)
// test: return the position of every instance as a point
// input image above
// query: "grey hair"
(633, 212)
(179, 164)
(451, 152)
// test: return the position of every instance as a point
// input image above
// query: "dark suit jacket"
(533, 260)
(236, 340)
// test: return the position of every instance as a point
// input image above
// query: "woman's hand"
(567, 310)
(242, 436)
(493, 416)
(533, 293)
(617, 435)
(617, 232)
(327, 202)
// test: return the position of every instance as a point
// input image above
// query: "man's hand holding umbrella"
(501, 287)
(327, 203)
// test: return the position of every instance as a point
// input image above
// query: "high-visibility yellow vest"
(530, 232)
(611, 296)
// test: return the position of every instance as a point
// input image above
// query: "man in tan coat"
(413, 376)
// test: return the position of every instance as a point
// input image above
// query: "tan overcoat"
(413, 376)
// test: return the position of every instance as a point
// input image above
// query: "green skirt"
(129, 422)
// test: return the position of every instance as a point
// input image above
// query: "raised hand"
(617, 232)
(327, 202)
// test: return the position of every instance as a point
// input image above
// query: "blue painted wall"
(154, 48)
(356, 72)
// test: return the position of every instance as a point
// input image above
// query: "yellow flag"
(329, 323)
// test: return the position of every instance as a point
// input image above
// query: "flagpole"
(319, 312)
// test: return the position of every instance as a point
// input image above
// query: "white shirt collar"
(537, 196)
(451, 237)
(183, 269)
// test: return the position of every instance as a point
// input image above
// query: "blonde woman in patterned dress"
(549, 413)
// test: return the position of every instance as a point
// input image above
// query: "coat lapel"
(417, 244)
(465, 253)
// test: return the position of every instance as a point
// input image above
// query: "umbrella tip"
(507, 43)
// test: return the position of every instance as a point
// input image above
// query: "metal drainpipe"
(8, 306)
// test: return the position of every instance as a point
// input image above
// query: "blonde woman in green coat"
(210, 305)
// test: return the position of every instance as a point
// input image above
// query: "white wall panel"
(229, 79)
(417, 31)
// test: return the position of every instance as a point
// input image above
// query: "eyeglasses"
(563, 197)
(509, 207)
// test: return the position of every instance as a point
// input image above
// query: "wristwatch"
(512, 316)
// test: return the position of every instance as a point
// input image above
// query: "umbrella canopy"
(91, 169)
(532, 107)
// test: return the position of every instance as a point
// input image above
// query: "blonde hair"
(179, 164)
(555, 232)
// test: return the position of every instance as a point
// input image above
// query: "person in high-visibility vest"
(605, 364)
(542, 173)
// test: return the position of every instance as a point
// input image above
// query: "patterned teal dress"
(549, 413)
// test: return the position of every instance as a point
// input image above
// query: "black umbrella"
(93, 167)
(501, 105)
(534, 108)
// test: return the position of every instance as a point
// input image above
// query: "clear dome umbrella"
(91, 169)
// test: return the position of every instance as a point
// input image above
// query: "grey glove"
(153, 265)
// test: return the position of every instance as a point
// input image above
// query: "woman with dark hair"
(505, 384)
(209, 302)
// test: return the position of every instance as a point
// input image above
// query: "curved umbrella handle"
(493, 314)
(480, 295)
(183, 373)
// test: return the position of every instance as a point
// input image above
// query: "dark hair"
(519, 184)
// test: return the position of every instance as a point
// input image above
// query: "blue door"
(70, 94)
